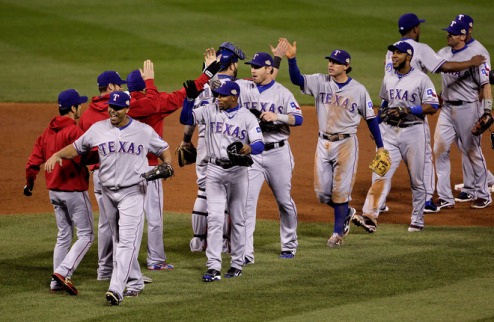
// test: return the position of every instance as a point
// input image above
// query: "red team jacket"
(147, 109)
(73, 175)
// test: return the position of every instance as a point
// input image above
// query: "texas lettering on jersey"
(338, 100)
(228, 129)
(264, 107)
(120, 147)
(400, 94)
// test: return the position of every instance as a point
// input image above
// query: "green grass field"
(48, 46)
(442, 274)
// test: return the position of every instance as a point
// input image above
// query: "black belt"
(334, 137)
(408, 125)
(274, 145)
(225, 164)
(455, 103)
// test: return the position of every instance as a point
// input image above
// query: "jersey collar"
(262, 88)
(404, 75)
(340, 85)
(126, 125)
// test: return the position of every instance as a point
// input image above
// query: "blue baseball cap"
(261, 59)
(69, 98)
(402, 46)
(110, 77)
(340, 56)
(135, 83)
(457, 28)
(466, 19)
(408, 21)
(228, 88)
(119, 100)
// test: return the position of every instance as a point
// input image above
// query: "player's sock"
(340, 213)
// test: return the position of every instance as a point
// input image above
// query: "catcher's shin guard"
(199, 222)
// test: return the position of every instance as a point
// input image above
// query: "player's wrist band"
(417, 110)
(283, 118)
(276, 62)
(487, 105)
(187, 138)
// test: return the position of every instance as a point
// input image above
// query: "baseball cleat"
(415, 228)
(211, 275)
(384, 209)
(233, 272)
(346, 225)
(444, 204)
(430, 207)
(481, 203)
(464, 197)
(66, 282)
(367, 223)
(130, 293)
(335, 240)
(55, 286)
(112, 298)
(287, 254)
(248, 261)
(458, 186)
(161, 267)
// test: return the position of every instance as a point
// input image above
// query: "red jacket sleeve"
(149, 104)
(36, 159)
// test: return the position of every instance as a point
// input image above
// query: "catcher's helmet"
(230, 53)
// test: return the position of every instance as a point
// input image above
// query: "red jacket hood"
(100, 103)
(60, 122)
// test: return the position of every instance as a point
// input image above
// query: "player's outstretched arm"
(456, 66)
(69, 152)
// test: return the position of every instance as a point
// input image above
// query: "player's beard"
(235, 71)
(401, 66)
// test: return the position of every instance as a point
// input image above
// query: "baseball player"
(151, 107)
(275, 165)
(467, 191)
(340, 103)
(226, 183)
(425, 60)
(229, 55)
(68, 190)
(461, 109)
(108, 82)
(411, 91)
(122, 144)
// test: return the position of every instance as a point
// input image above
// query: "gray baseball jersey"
(461, 109)
(275, 165)
(405, 142)
(339, 111)
(226, 185)
(122, 154)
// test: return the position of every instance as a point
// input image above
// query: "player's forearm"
(487, 98)
(69, 152)
(166, 156)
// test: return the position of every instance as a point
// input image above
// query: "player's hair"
(103, 88)
(65, 110)
(404, 32)
(349, 70)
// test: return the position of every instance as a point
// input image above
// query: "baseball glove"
(381, 162)
(186, 154)
(394, 115)
(484, 122)
(265, 126)
(161, 171)
(243, 160)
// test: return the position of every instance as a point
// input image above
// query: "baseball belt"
(274, 145)
(225, 164)
(334, 137)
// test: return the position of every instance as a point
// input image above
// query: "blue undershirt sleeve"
(298, 120)
(257, 147)
(186, 117)
(295, 75)
(376, 133)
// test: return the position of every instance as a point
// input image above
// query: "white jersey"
(338, 109)
(273, 97)
(466, 84)
(225, 127)
(122, 151)
(411, 89)
(424, 58)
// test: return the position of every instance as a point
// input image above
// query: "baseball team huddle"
(243, 129)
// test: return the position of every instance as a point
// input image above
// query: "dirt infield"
(22, 123)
